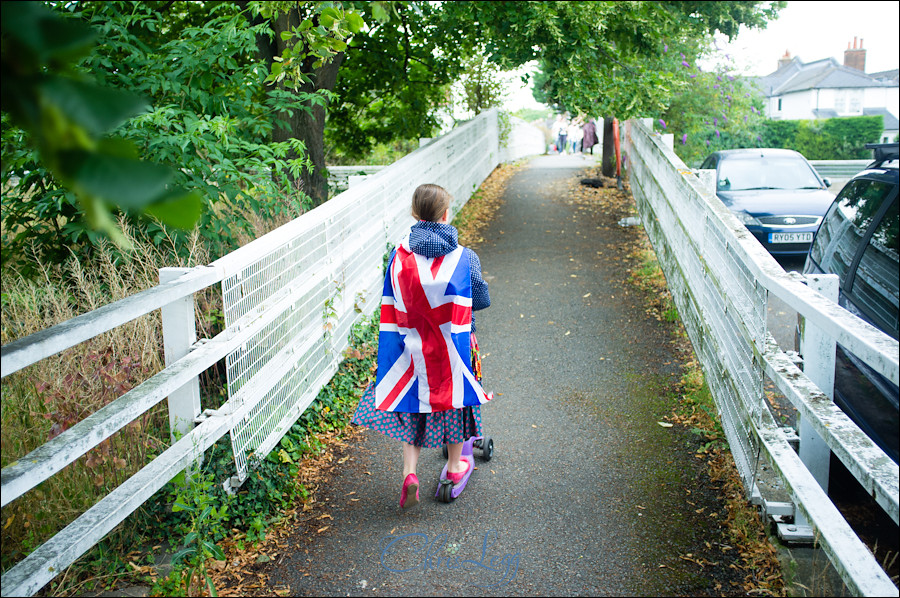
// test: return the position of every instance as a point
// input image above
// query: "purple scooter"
(448, 491)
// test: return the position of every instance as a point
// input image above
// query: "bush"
(832, 139)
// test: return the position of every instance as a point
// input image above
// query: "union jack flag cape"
(424, 356)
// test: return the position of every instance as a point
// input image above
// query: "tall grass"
(46, 398)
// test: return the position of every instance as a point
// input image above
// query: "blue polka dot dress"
(432, 430)
(428, 430)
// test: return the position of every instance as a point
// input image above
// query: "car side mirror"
(827, 182)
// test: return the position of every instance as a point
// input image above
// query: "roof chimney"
(784, 60)
(855, 58)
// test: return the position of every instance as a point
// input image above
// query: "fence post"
(179, 334)
(668, 140)
(818, 364)
(708, 180)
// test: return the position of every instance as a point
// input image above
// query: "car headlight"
(746, 219)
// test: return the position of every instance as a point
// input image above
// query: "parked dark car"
(858, 241)
(776, 193)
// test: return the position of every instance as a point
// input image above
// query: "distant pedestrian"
(574, 135)
(589, 138)
(560, 131)
(426, 392)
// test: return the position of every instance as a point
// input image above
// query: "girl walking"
(425, 392)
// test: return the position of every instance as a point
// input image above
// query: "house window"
(855, 101)
(779, 104)
(840, 101)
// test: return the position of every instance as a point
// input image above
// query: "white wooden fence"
(320, 271)
(720, 279)
(290, 301)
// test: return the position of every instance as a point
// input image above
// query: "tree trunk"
(608, 159)
(309, 127)
(306, 125)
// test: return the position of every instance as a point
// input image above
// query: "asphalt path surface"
(587, 494)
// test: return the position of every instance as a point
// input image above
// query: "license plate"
(790, 237)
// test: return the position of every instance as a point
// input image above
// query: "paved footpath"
(586, 494)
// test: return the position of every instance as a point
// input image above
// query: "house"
(825, 89)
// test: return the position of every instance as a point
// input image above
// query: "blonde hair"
(429, 202)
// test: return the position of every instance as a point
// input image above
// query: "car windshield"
(783, 172)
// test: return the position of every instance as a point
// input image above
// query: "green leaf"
(379, 13)
(43, 33)
(210, 585)
(122, 181)
(180, 506)
(355, 22)
(114, 146)
(181, 554)
(214, 550)
(97, 109)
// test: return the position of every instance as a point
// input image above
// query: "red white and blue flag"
(424, 356)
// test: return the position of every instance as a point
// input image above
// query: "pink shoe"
(456, 478)
(409, 495)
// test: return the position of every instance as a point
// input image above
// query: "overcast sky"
(809, 30)
(816, 30)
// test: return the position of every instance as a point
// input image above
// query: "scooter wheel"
(444, 451)
(444, 493)
(487, 448)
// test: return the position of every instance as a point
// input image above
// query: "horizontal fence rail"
(290, 300)
(842, 169)
(339, 177)
(720, 279)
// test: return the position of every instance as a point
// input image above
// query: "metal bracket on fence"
(232, 484)
(795, 358)
(778, 510)
(208, 413)
(790, 434)
(795, 533)
(784, 516)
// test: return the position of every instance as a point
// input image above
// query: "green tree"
(712, 111)
(482, 85)
(615, 58)
(241, 92)
(66, 119)
(622, 59)
(212, 122)
(395, 78)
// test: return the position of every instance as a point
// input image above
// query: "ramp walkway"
(586, 494)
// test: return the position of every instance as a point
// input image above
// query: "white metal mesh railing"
(313, 284)
(290, 301)
(720, 279)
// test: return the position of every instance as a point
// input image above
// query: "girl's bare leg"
(454, 452)
(411, 458)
